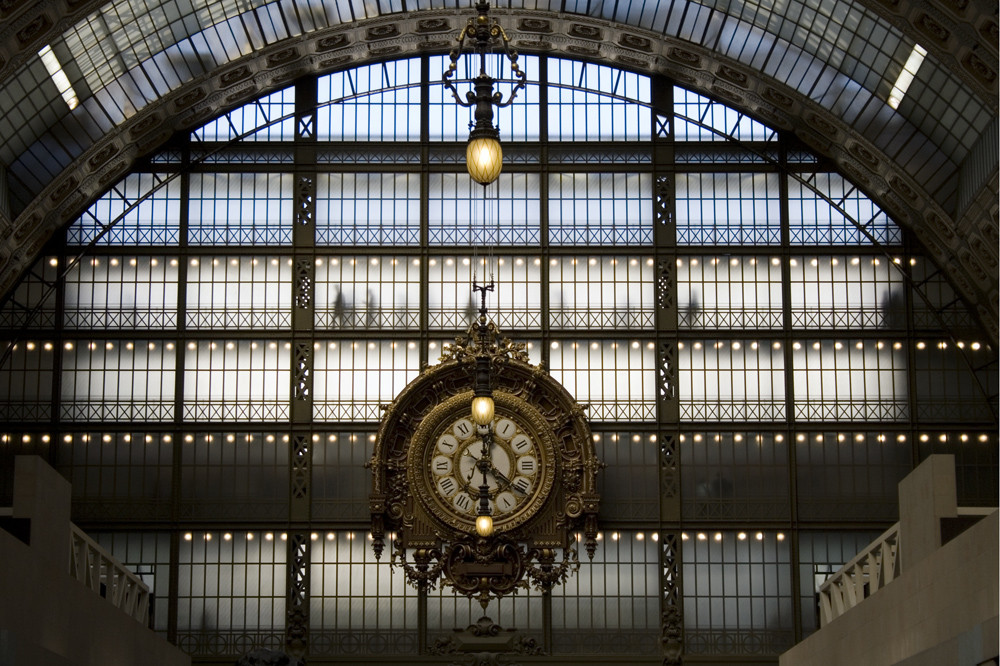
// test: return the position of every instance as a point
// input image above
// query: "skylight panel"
(59, 77)
(906, 75)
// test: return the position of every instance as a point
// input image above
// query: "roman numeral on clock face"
(463, 501)
(463, 428)
(448, 485)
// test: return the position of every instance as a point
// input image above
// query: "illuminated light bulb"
(639, 536)
(742, 536)
(314, 536)
(330, 536)
(269, 537)
(249, 536)
(759, 536)
(615, 536)
(482, 410)
(484, 526)
(208, 536)
(484, 159)
(718, 536)
(781, 536)
(701, 536)
(227, 536)
(188, 536)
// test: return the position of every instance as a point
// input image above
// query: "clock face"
(511, 474)
(519, 471)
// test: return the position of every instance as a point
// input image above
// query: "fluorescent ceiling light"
(59, 77)
(906, 75)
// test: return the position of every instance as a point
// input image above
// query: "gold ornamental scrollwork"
(535, 541)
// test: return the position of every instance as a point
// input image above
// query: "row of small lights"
(741, 536)
(700, 536)
(775, 261)
(351, 536)
(283, 536)
(840, 437)
(375, 261)
(189, 438)
(837, 345)
(635, 344)
(698, 437)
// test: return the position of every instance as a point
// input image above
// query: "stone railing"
(872, 569)
(98, 570)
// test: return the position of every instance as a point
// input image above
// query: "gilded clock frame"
(402, 506)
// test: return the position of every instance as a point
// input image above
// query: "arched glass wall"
(764, 351)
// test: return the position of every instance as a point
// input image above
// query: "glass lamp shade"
(482, 410)
(484, 159)
(484, 526)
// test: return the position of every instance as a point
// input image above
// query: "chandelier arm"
(453, 66)
(519, 75)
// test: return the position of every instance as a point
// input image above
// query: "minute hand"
(503, 479)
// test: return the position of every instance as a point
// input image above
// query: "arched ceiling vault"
(962, 35)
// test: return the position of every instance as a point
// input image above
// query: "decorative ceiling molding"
(962, 247)
(962, 34)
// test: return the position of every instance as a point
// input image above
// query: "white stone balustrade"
(99, 571)
(870, 570)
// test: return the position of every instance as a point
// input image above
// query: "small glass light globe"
(484, 159)
(484, 526)
(482, 410)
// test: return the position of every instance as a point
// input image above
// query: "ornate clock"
(527, 464)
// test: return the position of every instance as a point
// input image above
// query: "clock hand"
(501, 477)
